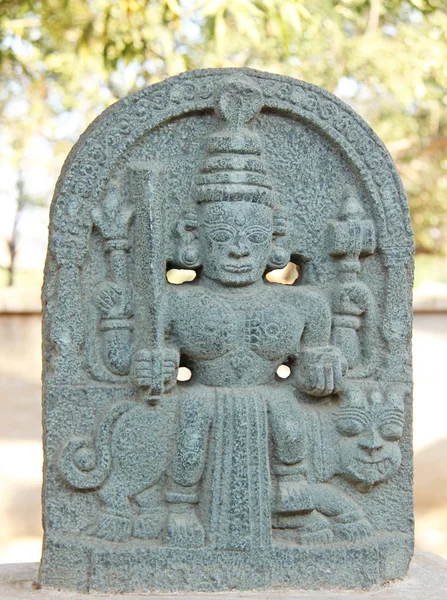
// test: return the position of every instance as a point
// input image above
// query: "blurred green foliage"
(387, 58)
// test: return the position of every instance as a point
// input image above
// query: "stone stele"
(237, 478)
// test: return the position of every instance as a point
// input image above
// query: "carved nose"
(371, 442)
(239, 249)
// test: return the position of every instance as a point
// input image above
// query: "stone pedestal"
(427, 580)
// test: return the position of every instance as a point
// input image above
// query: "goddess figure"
(240, 478)
(240, 439)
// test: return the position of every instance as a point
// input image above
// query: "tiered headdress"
(232, 167)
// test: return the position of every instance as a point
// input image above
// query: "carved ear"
(189, 257)
(396, 397)
(279, 257)
(187, 250)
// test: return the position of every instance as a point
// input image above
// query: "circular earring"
(279, 258)
(189, 256)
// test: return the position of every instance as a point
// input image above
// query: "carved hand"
(351, 298)
(115, 301)
(147, 365)
(320, 370)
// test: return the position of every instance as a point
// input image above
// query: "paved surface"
(427, 580)
(21, 454)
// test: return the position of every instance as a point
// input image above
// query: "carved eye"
(350, 427)
(220, 235)
(258, 236)
(391, 431)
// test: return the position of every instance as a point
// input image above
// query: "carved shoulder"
(182, 303)
(176, 299)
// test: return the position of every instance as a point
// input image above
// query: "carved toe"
(353, 531)
(293, 497)
(113, 528)
(185, 531)
(317, 536)
(314, 529)
(148, 527)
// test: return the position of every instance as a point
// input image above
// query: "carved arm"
(320, 366)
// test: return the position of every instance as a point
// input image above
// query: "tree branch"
(374, 16)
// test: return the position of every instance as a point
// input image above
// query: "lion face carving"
(370, 424)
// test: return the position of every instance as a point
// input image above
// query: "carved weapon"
(112, 218)
(353, 237)
(150, 270)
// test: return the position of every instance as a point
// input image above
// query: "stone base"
(427, 580)
(90, 565)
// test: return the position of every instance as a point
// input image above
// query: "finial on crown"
(237, 102)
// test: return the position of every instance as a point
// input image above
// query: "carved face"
(369, 452)
(235, 241)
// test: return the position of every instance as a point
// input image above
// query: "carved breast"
(201, 325)
(207, 325)
(272, 332)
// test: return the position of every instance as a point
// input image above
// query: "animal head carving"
(370, 424)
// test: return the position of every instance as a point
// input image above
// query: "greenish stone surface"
(285, 460)
(427, 578)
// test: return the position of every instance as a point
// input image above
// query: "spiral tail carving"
(84, 467)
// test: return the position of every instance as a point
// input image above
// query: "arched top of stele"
(116, 135)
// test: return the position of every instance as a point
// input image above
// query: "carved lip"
(238, 268)
(375, 461)
(381, 465)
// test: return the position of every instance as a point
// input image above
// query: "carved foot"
(113, 528)
(314, 529)
(185, 530)
(353, 531)
(147, 527)
(319, 536)
(292, 496)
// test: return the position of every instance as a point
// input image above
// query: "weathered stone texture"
(237, 478)
(427, 579)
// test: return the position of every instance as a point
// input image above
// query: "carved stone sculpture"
(238, 478)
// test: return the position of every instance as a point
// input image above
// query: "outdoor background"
(62, 62)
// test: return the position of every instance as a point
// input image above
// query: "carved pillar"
(68, 328)
(398, 321)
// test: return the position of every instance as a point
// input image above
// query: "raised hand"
(351, 298)
(320, 370)
(115, 301)
(148, 365)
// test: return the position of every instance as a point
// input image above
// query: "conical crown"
(233, 168)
